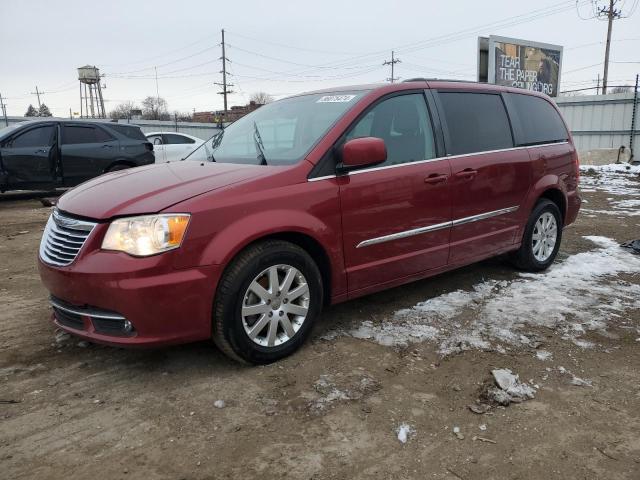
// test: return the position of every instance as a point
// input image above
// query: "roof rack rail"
(422, 79)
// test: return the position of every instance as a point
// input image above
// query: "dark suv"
(52, 153)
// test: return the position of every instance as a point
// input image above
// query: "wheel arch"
(558, 197)
(309, 244)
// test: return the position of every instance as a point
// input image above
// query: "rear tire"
(541, 239)
(281, 283)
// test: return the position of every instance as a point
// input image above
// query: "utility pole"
(157, 96)
(633, 118)
(392, 62)
(598, 86)
(3, 107)
(225, 86)
(612, 14)
(37, 93)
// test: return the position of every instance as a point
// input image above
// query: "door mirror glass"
(362, 152)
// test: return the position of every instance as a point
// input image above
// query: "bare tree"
(123, 110)
(183, 116)
(621, 89)
(155, 108)
(261, 98)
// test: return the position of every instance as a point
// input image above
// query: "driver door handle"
(435, 178)
(107, 146)
(41, 150)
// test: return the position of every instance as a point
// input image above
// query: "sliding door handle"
(467, 173)
(435, 178)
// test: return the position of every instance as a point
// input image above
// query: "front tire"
(266, 303)
(541, 239)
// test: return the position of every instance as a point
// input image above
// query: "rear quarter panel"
(553, 168)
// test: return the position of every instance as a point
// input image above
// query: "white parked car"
(173, 146)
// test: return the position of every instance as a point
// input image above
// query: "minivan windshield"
(282, 132)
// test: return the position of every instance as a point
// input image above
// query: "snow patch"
(404, 432)
(617, 179)
(544, 355)
(579, 294)
(511, 384)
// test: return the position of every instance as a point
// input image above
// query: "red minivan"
(309, 201)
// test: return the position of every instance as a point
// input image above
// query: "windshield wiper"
(215, 142)
(257, 139)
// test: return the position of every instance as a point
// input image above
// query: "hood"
(152, 188)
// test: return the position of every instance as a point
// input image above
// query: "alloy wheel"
(275, 305)
(545, 235)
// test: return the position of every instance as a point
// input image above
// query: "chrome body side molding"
(437, 226)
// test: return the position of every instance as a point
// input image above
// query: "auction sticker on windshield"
(335, 98)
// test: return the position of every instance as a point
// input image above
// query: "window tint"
(130, 131)
(477, 122)
(74, 134)
(172, 138)
(36, 137)
(539, 121)
(403, 123)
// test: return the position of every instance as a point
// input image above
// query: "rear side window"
(538, 121)
(477, 122)
(130, 131)
(172, 138)
(36, 137)
(75, 134)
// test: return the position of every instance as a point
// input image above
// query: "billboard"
(520, 63)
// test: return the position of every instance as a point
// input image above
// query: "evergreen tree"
(44, 111)
(31, 112)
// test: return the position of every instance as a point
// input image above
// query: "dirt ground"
(72, 410)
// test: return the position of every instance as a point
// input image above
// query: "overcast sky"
(281, 47)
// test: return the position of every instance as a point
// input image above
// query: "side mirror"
(362, 152)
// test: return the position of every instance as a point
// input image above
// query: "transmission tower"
(392, 62)
(225, 86)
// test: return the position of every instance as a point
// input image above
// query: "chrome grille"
(63, 238)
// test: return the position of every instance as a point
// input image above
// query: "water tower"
(91, 102)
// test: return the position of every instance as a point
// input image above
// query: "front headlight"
(146, 235)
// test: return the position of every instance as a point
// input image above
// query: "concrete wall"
(600, 124)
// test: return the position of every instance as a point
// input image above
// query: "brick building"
(233, 114)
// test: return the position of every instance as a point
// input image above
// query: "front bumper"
(99, 291)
